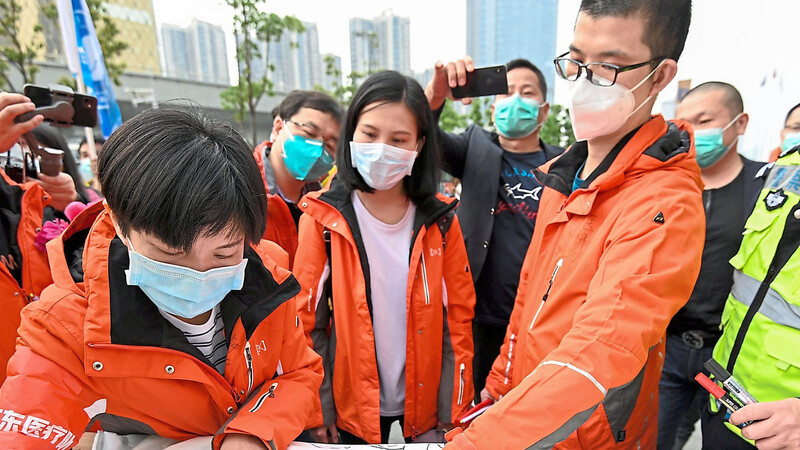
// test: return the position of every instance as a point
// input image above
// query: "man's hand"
(325, 434)
(11, 106)
(242, 442)
(61, 189)
(778, 425)
(446, 77)
(485, 395)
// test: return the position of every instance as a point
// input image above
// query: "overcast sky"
(738, 41)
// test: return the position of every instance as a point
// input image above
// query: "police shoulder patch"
(775, 199)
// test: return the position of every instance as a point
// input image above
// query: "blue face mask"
(304, 158)
(182, 291)
(791, 141)
(709, 145)
(85, 169)
(516, 117)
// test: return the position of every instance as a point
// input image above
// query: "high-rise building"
(501, 30)
(196, 52)
(294, 60)
(381, 43)
(178, 51)
(133, 18)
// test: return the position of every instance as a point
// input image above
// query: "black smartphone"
(47, 103)
(482, 82)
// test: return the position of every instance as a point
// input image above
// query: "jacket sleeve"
(460, 309)
(500, 380)
(312, 270)
(278, 411)
(46, 402)
(645, 275)
(454, 148)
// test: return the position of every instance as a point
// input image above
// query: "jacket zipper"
(461, 384)
(547, 292)
(425, 281)
(249, 358)
(260, 401)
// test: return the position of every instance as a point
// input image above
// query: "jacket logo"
(775, 199)
(261, 347)
(659, 218)
(436, 252)
(518, 193)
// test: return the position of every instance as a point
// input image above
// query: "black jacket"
(475, 157)
(703, 311)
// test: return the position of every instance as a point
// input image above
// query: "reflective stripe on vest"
(774, 307)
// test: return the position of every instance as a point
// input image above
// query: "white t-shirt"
(387, 248)
(209, 337)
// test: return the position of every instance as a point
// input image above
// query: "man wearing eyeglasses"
(299, 154)
(615, 252)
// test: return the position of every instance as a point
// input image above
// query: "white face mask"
(382, 166)
(600, 111)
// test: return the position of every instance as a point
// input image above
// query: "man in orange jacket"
(168, 315)
(615, 252)
(300, 153)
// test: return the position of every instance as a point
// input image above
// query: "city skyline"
(196, 52)
(382, 42)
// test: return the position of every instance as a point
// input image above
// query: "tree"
(15, 53)
(478, 113)
(251, 27)
(341, 92)
(557, 130)
(450, 120)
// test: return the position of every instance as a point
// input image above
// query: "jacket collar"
(664, 143)
(121, 314)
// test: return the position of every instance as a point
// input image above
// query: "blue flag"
(93, 68)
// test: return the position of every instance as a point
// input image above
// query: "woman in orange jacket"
(167, 316)
(387, 296)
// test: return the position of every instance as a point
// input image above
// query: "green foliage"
(557, 130)
(342, 92)
(450, 120)
(14, 53)
(479, 113)
(251, 27)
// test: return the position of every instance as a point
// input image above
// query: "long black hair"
(391, 87)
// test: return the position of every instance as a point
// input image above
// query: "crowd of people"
(317, 287)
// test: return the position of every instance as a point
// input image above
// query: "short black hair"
(521, 63)
(391, 87)
(730, 95)
(666, 21)
(785, 122)
(178, 175)
(297, 100)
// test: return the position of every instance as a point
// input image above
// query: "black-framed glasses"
(598, 73)
(312, 132)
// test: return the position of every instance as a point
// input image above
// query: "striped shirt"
(209, 337)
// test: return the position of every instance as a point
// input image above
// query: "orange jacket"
(27, 201)
(97, 354)
(607, 268)
(440, 299)
(281, 227)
